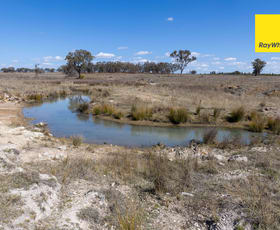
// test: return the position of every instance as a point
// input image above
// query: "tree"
(258, 66)
(182, 58)
(78, 60)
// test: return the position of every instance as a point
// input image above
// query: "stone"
(187, 194)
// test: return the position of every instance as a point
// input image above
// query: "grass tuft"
(273, 124)
(77, 140)
(177, 116)
(257, 123)
(236, 115)
(139, 112)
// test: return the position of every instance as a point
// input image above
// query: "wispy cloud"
(47, 59)
(122, 48)
(196, 54)
(230, 59)
(170, 19)
(275, 58)
(105, 55)
(143, 53)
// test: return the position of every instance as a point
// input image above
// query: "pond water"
(64, 121)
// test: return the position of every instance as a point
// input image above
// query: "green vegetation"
(179, 115)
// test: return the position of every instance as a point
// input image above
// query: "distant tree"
(8, 70)
(182, 58)
(258, 66)
(213, 73)
(78, 60)
(193, 72)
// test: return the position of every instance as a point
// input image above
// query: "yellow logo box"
(267, 33)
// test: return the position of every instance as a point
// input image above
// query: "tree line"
(80, 61)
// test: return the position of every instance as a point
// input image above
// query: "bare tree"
(182, 58)
(258, 66)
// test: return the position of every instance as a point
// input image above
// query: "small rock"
(187, 194)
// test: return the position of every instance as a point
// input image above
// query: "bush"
(118, 115)
(104, 110)
(274, 125)
(257, 124)
(35, 97)
(77, 140)
(236, 115)
(141, 112)
(83, 107)
(82, 76)
(216, 113)
(177, 116)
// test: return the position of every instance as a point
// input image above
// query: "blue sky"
(219, 32)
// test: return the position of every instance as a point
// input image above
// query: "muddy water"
(64, 121)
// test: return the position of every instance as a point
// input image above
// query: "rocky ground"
(51, 183)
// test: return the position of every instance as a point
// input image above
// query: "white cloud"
(207, 55)
(47, 59)
(216, 63)
(221, 67)
(58, 58)
(275, 58)
(230, 59)
(15, 61)
(195, 54)
(47, 63)
(170, 19)
(143, 53)
(105, 55)
(216, 59)
(122, 48)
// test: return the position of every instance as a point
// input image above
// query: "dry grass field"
(51, 183)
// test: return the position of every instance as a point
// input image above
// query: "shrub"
(83, 107)
(177, 116)
(35, 97)
(77, 140)
(274, 125)
(216, 113)
(96, 110)
(104, 109)
(141, 112)
(82, 76)
(118, 115)
(236, 115)
(257, 124)
(198, 109)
